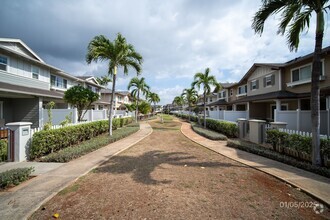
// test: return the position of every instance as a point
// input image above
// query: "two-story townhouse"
(224, 97)
(27, 83)
(120, 99)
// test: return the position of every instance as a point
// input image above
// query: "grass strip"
(213, 135)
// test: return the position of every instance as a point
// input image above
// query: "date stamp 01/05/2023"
(316, 206)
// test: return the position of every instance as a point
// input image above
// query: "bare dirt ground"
(166, 176)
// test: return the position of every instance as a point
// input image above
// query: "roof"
(109, 91)
(275, 66)
(227, 85)
(12, 40)
(57, 70)
(272, 95)
(218, 102)
(325, 50)
(6, 87)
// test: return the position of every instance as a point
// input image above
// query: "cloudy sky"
(176, 38)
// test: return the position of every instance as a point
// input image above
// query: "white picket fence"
(302, 133)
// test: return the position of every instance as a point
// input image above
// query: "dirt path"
(166, 176)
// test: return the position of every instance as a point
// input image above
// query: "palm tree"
(140, 86)
(190, 96)
(153, 98)
(103, 80)
(203, 79)
(178, 100)
(118, 54)
(295, 18)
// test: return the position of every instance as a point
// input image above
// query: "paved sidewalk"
(26, 198)
(315, 185)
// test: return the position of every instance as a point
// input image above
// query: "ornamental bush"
(14, 176)
(48, 141)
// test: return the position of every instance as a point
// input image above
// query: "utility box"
(257, 131)
(242, 127)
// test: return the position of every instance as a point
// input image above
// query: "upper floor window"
(269, 80)
(231, 92)
(3, 63)
(222, 94)
(303, 73)
(242, 90)
(254, 84)
(35, 72)
(59, 82)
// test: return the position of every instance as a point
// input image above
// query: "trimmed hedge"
(49, 141)
(14, 176)
(213, 135)
(227, 128)
(269, 153)
(3, 150)
(296, 145)
(85, 147)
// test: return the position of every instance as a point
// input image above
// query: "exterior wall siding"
(306, 88)
(26, 110)
(260, 75)
(22, 81)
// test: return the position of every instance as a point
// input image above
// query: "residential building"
(281, 92)
(27, 83)
(120, 99)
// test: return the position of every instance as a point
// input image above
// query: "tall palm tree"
(295, 18)
(190, 96)
(117, 53)
(153, 98)
(206, 81)
(140, 87)
(178, 100)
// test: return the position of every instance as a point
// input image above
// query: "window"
(304, 73)
(3, 63)
(222, 94)
(254, 84)
(35, 72)
(242, 90)
(269, 80)
(231, 92)
(59, 82)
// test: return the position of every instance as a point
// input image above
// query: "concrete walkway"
(23, 200)
(315, 185)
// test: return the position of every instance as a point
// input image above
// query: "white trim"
(11, 40)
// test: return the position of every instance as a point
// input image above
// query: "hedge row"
(285, 143)
(212, 135)
(14, 176)
(85, 147)
(271, 154)
(227, 128)
(48, 141)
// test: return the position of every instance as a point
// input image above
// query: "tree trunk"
(137, 106)
(204, 110)
(189, 113)
(315, 93)
(111, 100)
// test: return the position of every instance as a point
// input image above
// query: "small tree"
(81, 98)
(144, 107)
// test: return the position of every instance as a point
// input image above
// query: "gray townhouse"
(27, 83)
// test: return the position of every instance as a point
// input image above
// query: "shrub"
(262, 151)
(85, 147)
(14, 177)
(48, 141)
(3, 150)
(227, 128)
(208, 133)
(296, 142)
